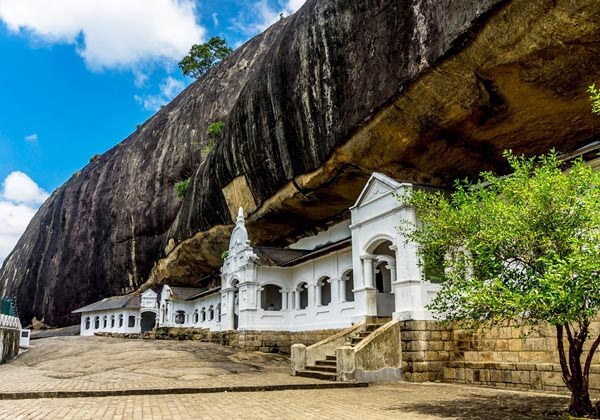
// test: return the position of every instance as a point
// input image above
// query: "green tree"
(203, 57)
(595, 98)
(521, 250)
(181, 188)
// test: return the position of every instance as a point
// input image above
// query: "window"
(302, 296)
(324, 284)
(112, 321)
(203, 315)
(87, 322)
(211, 313)
(348, 279)
(196, 316)
(271, 298)
(105, 321)
(180, 317)
(97, 323)
(131, 321)
(121, 321)
(219, 312)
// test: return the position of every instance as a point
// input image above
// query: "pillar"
(368, 270)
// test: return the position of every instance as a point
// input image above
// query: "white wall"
(125, 329)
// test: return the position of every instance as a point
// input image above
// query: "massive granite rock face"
(423, 90)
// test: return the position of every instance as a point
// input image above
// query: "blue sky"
(78, 76)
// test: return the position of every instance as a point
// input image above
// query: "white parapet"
(10, 322)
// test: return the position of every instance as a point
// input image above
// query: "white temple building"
(359, 268)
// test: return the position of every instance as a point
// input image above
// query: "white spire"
(240, 217)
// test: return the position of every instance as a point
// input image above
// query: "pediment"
(377, 186)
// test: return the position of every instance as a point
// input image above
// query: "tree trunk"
(574, 376)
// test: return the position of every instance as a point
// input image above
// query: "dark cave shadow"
(497, 407)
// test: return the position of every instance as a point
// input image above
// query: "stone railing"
(375, 359)
(303, 356)
(10, 322)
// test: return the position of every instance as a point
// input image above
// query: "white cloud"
(215, 18)
(262, 15)
(32, 138)
(169, 89)
(19, 199)
(19, 188)
(109, 33)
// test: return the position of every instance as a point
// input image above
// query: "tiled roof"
(324, 250)
(115, 302)
(277, 256)
(186, 293)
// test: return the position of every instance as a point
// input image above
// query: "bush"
(181, 188)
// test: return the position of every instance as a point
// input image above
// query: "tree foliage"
(520, 250)
(203, 57)
(595, 98)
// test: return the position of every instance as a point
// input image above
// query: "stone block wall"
(273, 341)
(9, 343)
(513, 358)
(426, 349)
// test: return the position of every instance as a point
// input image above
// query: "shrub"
(181, 188)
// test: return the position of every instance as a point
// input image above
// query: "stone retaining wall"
(264, 341)
(503, 357)
(274, 341)
(9, 343)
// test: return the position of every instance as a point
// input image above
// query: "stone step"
(326, 376)
(321, 368)
(326, 363)
(331, 357)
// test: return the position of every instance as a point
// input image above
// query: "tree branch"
(562, 357)
(588, 359)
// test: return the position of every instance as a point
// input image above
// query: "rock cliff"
(423, 90)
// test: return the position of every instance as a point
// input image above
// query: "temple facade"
(359, 268)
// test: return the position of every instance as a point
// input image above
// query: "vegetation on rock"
(595, 98)
(203, 57)
(181, 188)
(521, 250)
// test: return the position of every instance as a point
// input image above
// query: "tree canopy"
(520, 250)
(203, 57)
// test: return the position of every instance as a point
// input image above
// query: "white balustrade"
(11, 322)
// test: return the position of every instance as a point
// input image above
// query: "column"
(368, 270)
(297, 298)
(284, 300)
(230, 309)
(317, 295)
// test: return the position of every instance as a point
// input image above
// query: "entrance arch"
(384, 267)
(148, 321)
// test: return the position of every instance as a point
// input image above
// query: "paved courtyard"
(95, 363)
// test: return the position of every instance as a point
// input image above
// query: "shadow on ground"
(498, 407)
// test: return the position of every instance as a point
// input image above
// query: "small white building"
(358, 268)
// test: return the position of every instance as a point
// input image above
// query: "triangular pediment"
(377, 186)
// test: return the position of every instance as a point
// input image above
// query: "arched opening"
(195, 318)
(97, 323)
(131, 321)
(112, 321)
(211, 313)
(348, 279)
(302, 296)
(105, 321)
(148, 321)
(383, 266)
(180, 317)
(324, 286)
(271, 298)
(383, 281)
(203, 315)
(121, 321)
(219, 313)
(87, 323)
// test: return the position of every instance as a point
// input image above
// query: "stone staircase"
(327, 369)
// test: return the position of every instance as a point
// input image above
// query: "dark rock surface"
(423, 90)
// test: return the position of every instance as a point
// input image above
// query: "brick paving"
(394, 401)
(73, 363)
